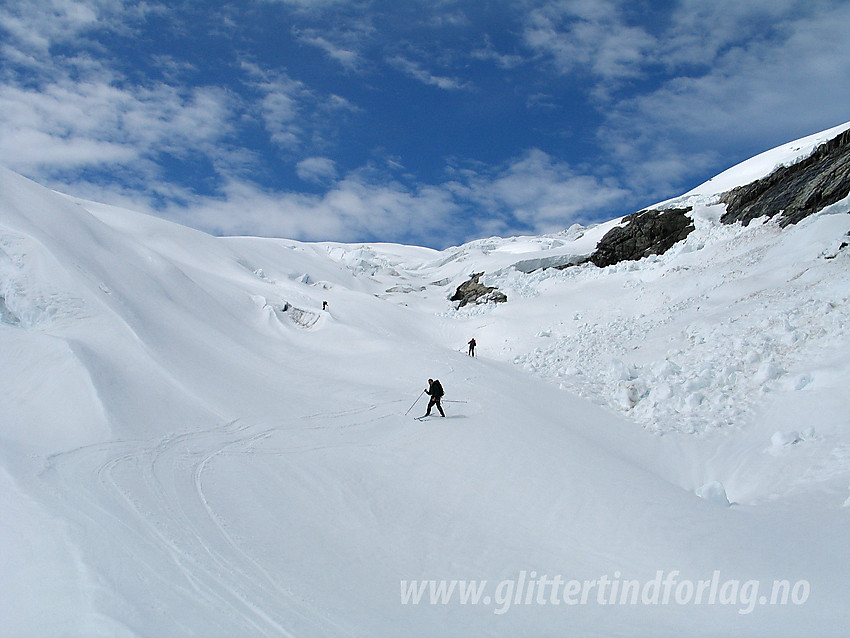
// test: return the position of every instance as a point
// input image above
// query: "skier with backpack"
(435, 391)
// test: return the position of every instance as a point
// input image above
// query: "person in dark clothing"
(435, 391)
(472, 347)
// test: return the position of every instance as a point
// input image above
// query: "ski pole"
(414, 403)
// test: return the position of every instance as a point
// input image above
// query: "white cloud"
(754, 94)
(59, 113)
(589, 36)
(356, 207)
(307, 5)
(346, 57)
(714, 78)
(279, 109)
(318, 170)
(415, 70)
(81, 112)
(445, 17)
(67, 124)
(533, 193)
(294, 115)
(342, 42)
(489, 53)
(537, 192)
(35, 26)
(700, 31)
(711, 75)
(75, 112)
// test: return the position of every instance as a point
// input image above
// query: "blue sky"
(427, 123)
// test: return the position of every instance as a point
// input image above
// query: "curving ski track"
(174, 538)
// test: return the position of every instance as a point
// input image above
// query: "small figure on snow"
(472, 347)
(324, 305)
(435, 391)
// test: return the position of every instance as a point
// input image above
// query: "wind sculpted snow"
(192, 445)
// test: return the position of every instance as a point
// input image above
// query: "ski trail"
(176, 538)
(152, 495)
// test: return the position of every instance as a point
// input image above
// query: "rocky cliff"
(647, 232)
(473, 291)
(789, 192)
(797, 191)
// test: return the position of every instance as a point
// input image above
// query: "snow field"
(676, 351)
(191, 445)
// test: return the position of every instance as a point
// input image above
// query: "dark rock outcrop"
(473, 291)
(797, 191)
(647, 232)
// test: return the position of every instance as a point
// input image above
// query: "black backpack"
(437, 389)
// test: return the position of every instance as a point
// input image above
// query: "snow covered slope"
(191, 445)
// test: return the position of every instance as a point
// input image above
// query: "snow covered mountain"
(191, 445)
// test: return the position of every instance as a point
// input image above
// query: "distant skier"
(472, 347)
(324, 305)
(435, 391)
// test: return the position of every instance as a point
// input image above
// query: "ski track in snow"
(154, 494)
